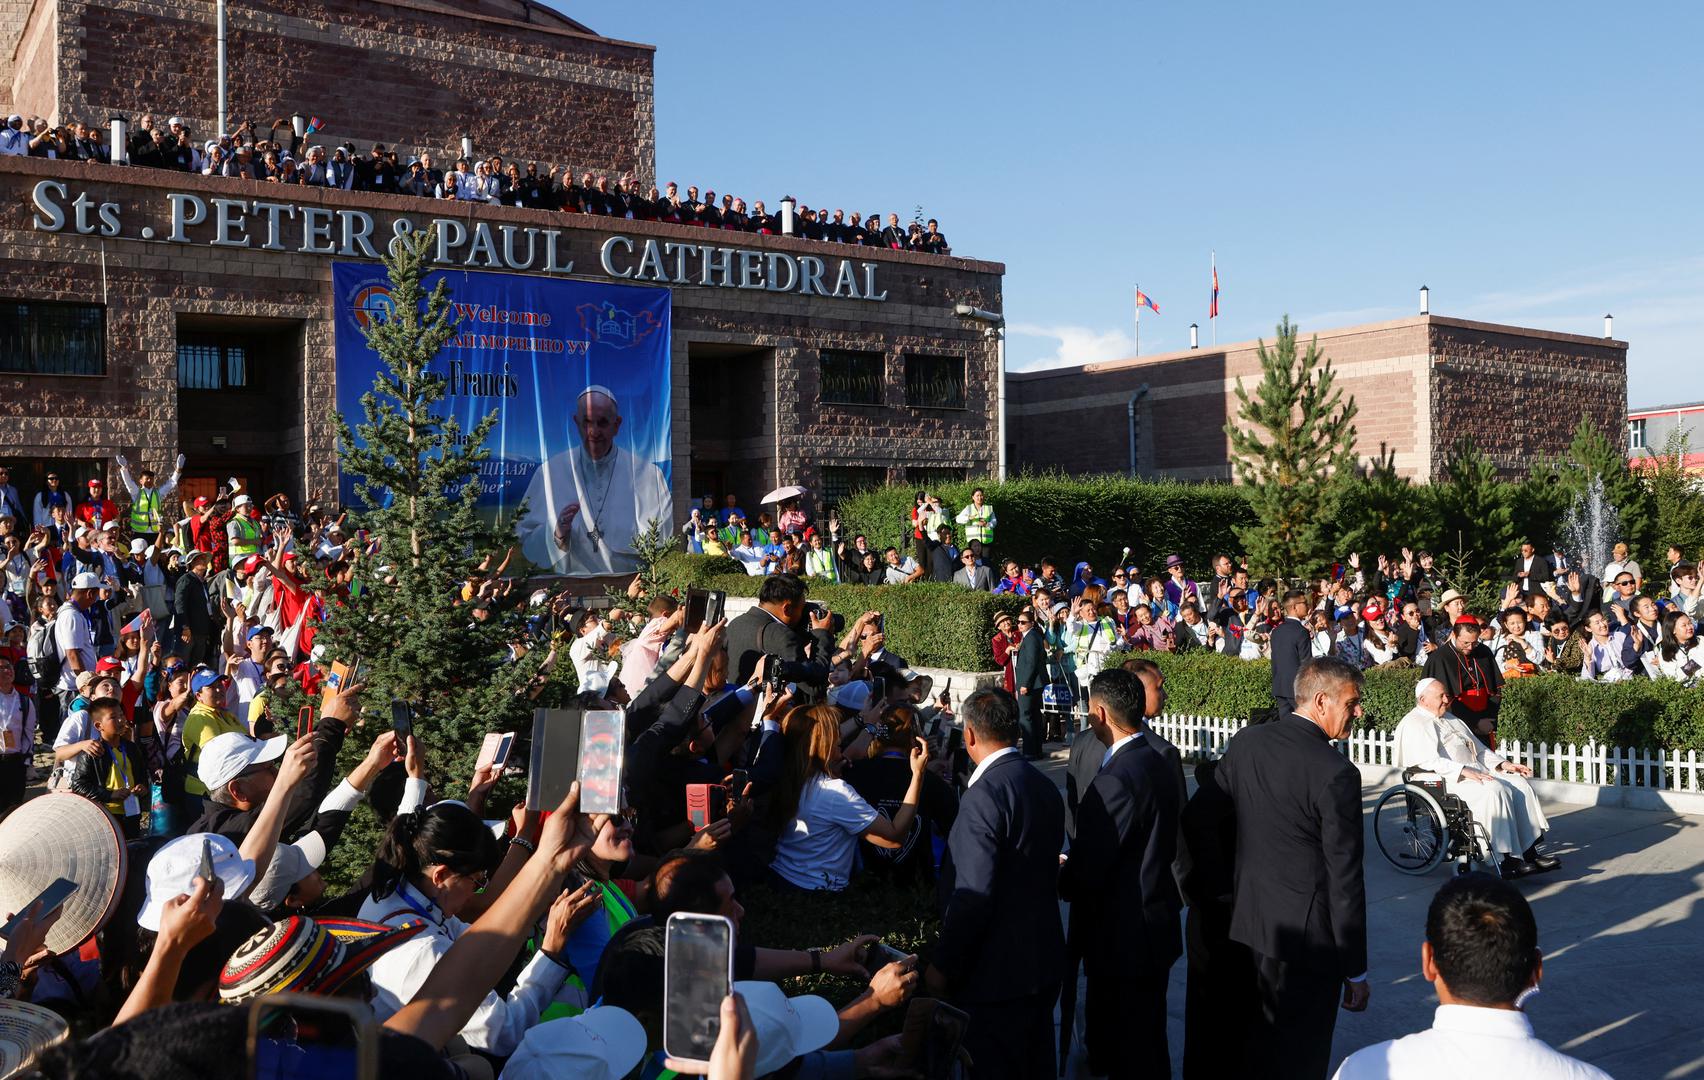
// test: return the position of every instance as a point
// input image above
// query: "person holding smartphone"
(819, 817)
(431, 864)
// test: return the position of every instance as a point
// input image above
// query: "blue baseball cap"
(255, 631)
(203, 678)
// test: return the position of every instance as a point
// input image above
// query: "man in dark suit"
(1118, 879)
(1002, 949)
(1029, 677)
(1532, 570)
(195, 611)
(774, 628)
(1300, 901)
(1291, 647)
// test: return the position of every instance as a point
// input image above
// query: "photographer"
(777, 627)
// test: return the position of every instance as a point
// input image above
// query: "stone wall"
(150, 286)
(1520, 393)
(408, 75)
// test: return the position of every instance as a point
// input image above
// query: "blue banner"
(578, 374)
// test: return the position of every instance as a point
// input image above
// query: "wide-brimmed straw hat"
(25, 1031)
(61, 835)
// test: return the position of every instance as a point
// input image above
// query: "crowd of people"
(279, 155)
(160, 647)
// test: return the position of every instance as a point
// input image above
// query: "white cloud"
(1073, 345)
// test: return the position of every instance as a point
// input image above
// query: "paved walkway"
(1622, 930)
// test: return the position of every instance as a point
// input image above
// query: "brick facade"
(414, 75)
(753, 355)
(1419, 384)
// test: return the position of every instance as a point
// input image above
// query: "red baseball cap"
(97, 483)
(106, 664)
(201, 500)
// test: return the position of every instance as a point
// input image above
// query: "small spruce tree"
(1380, 511)
(1476, 508)
(417, 481)
(1677, 499)
(1292, 443)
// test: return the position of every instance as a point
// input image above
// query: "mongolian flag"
(1213, 306)
(1144, 300)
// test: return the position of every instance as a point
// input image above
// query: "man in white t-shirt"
(1481, 955)
(74, 634)
(250, 674)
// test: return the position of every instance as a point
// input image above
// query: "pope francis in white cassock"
(585, 505)
(1494, 788)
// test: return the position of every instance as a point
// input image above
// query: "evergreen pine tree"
(1475, 508)
(1592, 453)
(1677, 500)
(1540, 503)
(417, 482)
(1380, 511)
(1292, 442)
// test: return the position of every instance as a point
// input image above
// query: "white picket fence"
(1605, 766)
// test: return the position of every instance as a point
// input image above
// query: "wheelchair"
(1417, 825)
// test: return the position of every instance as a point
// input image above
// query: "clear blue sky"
(1533, 163)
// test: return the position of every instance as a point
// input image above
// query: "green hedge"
(930, 624)
(1639, 714)
(1074, 518)
(1201, 683)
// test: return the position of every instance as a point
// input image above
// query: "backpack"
(46, 663)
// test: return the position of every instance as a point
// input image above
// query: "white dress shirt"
(1117, 746)
(500, 1021)
(1466, 1040)
(976, 773)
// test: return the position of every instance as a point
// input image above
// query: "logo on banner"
(616, 327)
(371, 305)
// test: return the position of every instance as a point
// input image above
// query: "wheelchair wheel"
(1410, 829)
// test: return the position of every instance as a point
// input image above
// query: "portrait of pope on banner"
(586, 504)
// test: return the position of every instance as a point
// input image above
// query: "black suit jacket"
(1030, 668)
(1291, 647)
(1001, 937)
(1300, 896)
(757, 633)
(1536, 578)
(1119, 876)
(192, 605)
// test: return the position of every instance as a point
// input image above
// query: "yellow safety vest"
(145, 511)
(248, 543)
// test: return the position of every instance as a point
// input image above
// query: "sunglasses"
(1627, 582)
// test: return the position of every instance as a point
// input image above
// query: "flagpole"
(1136, 342)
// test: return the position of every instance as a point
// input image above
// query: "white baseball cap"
(242, 500)
(599, 1044)
(138, 546)
(173, 869)
(226, 756)
(177, 120)
(86, 580)
(786, 1027)
(109, 526)
(290, 864)
(854, 695)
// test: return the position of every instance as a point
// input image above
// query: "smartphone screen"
(697, 604)
(305, 721)
(698, 960)
(293, 1036)
(602, 741)
(51, 899)
(879, 955)
(494, 751)
(402, 719)
(714, 606)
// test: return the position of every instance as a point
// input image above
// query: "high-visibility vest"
(145, 511)
(248, 542)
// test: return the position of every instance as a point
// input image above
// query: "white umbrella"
(782, 494)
